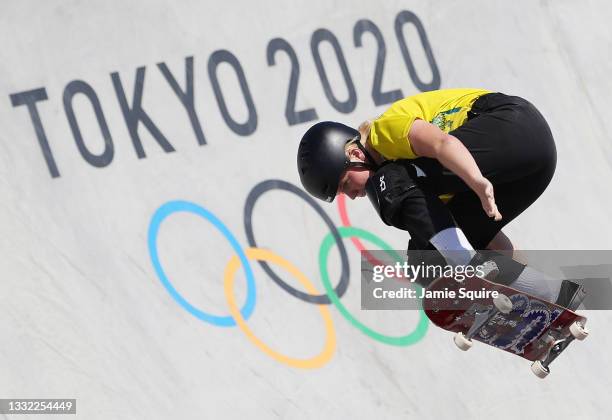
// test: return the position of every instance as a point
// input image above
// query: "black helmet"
(322, 158)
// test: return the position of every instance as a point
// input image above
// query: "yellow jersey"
(446, 108)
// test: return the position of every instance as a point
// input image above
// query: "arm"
(428, 140)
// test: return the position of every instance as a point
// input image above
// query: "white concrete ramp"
(146, 145)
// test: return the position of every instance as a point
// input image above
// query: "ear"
(356, 154)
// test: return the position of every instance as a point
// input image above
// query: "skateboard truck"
(578, 332)
(482, 316)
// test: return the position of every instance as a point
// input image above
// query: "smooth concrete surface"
(150, 106)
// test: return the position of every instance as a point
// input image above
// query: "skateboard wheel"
(578, 331)
(503, 304)
(463, 342)
(539, 369)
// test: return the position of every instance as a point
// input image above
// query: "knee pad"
(390, 185)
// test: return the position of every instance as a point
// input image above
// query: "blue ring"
(177, 206)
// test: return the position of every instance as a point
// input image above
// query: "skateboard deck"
(531, 329)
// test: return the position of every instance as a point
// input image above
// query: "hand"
(484, 189)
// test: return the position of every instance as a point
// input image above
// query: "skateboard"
(510, 320)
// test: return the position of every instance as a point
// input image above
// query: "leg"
(511, 199)
(406, 202)
(504, 246)
(501, 242)
(483, 231)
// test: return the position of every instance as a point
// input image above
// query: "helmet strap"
(371, 163)
(360, 165)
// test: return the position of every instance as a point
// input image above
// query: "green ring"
(348, 231)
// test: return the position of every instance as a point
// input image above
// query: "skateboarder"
(452, 167)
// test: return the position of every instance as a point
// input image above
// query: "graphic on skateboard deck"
(515, 321)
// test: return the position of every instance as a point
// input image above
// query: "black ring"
(272, 184)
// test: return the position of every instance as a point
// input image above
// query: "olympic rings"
(239, 317)
(264, 255)
(184, 206)
(271, 184)
(326, 245)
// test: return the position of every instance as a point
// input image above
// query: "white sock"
(537, 284)
(454, 246)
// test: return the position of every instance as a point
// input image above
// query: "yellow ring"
(228, 285)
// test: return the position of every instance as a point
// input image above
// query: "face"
(353, 182)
